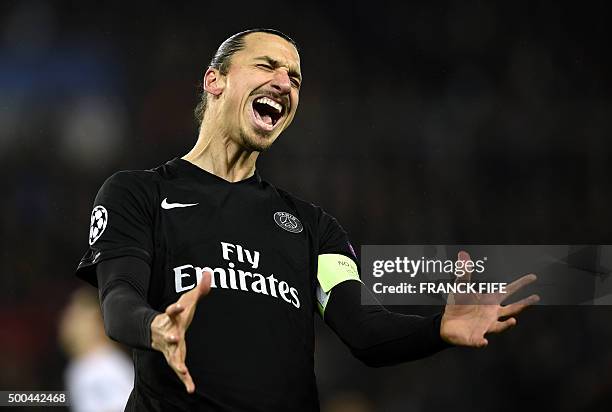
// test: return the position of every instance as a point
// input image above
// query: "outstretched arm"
(123, 284)
(128, 318)
(377, 336)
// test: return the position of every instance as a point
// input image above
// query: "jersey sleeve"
(337, 261)
(121, 223)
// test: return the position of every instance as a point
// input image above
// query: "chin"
(256, 143)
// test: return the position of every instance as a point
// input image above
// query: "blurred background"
(445, 122)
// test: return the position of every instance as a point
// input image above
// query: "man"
(208, 224)
(99, 377)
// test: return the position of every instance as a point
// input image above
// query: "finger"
(204, 285)
(499, 327)
(201, 289)
(463, 275)
(481, 343)
(178, 364)
(517, 307)
(174, 309)
(181, 369)
(519, 284)
(183, 374)
(463, 255)
(188, 382)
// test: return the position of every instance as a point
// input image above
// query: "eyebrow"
(276, 64)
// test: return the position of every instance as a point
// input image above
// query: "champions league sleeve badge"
(99, 220)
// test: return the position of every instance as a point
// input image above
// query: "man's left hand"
(469, 317)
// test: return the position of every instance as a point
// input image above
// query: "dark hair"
(222, 60)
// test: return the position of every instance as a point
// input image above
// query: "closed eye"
(295, 81)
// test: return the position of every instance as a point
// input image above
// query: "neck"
(219, 154)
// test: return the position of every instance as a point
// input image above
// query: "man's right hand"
(168, 330)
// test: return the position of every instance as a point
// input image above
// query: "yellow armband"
(332, 270)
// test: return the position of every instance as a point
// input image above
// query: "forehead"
(266, 44)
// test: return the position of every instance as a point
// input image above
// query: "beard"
(254, 144)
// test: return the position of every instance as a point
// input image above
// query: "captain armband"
(333, 269)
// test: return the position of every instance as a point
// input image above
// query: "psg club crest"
(99, 219)
(288, 222)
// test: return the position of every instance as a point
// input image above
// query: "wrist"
(152, 320)
(445, 337)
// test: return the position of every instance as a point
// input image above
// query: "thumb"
(203, 287)
(464, 257)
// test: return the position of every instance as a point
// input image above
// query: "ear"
(214, 81)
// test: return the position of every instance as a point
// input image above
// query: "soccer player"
(209, 224)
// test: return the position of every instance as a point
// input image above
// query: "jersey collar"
(184, 167)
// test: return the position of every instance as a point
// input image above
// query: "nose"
(281, 81)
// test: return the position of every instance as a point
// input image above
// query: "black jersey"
(251, 343)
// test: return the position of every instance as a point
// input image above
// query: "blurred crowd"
(447, 122)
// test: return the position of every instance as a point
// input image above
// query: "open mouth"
(267, 112)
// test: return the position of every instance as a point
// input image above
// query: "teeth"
(271, 103)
